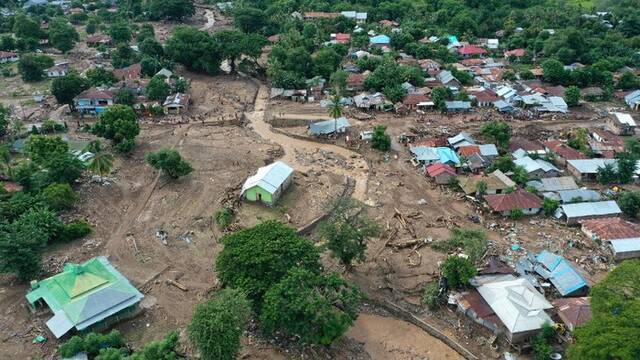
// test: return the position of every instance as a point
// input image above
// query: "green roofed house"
(268, 183)
(89, 296)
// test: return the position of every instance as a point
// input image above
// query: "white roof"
(598, 208)
(625, 245)
(517, 303)
(269, 177)
(625, 119)
(590, 166)
(532, 165)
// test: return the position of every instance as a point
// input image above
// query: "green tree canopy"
(170, 162)
(158, 89)
(171, 9)
(380, 139)
(217, 325)
(256, 258)
(572, 96)
(346, 231)
(194, 49)
(68, 87)
(31, 66)
(317, 308)
(62, 35)
(613, 331)
(458, 271)
(119, 124)
(498, 132)
(234, 44)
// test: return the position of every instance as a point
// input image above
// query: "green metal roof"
(84, 294)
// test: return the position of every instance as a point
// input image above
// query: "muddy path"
(293, 146)
(389, 338)
(211, 21)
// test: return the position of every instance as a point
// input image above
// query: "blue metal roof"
(560, 272)
(441, 154)
(380, 39)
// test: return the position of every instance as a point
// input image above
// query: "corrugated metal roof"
(269, 177)
(584, 195)
(560, 272)
(558, 183)
(488, 150)
(461, 139)
(517, 303)
(584, 209)
(531, 165)
(625, 245)
(590, 166)
(329, 126)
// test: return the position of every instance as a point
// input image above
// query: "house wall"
(576, 220)
(531, 211)
(253, 193)
(626, 255)
(443, 179)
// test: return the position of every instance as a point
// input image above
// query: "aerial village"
(266, 180)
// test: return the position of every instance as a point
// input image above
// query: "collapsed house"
(89, 296)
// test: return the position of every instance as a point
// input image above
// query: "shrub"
(431, 296)
(516, 214)
(223, 218)
(458, 271)
(76, 230)
(59, 196)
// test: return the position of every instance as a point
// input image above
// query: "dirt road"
(291, 146)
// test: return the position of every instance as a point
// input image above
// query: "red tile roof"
(431, 142)
(471, 50)
(468, 150)
(129, 73)
(486, 96)
(514, 52)
(573, 311)
(94, 93)
(320, 15)
(355, 80)
(524, 144)
(439, 168)
(520, 199)
(7, 55)
(564, 151)
(611, 228)
(343, 38)
(472, 62)
(414, 99)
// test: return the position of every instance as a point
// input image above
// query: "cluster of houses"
(512, 302)
(94, 101)
(463, 161)
(483, 61)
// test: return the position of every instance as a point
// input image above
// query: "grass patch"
(223, 218)
(473, 243)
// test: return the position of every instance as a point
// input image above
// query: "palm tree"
(102, 161)
(5, 157)
(335, 111)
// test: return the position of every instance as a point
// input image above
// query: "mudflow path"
(291, 146)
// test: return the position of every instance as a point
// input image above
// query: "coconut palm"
(335, 111)
(102, 161)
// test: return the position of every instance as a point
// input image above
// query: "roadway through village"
(292, 146)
